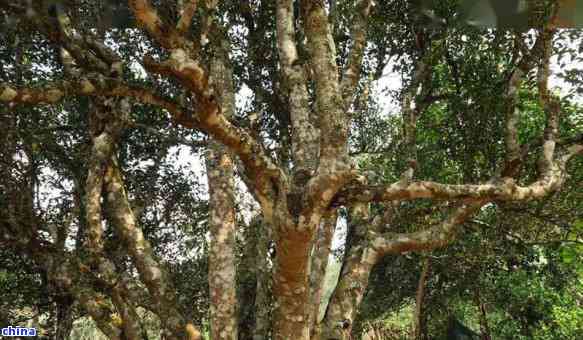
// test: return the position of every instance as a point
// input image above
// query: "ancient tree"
(309, 65)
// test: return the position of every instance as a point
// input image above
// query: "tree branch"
(513, 149)
(334, 169)
(358, 34)
(329, 103)
(304, 135)
(502, 190)
(261, 170)
(151, 272)
(186, 14)
(429, 239)
(148, 18)
(550, 105)
(90, 85)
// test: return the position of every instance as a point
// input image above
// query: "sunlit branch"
(550, 105)
(148, 18)
(209, 118)
(90, 85)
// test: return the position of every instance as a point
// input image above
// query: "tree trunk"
(222, 283)
(291, 285)
(222, 221)
(353, 281)
(64, 317)
(484, 327)
(264, 294)
(319, 264)
(418, 316)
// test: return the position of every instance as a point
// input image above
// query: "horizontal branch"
(208, 118)
(502, 190)
(90, 85)
(435, 237)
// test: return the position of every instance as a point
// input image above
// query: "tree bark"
(418, 316)
(320, 255)
(358, 263)
(151, 272)
(291, 284)
(222, 222)
(264, 292)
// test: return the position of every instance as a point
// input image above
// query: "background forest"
(430, 90)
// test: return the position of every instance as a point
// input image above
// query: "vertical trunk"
(484, 327)
(291, 284)
(353, 281)
(222, 225)
(319, 264)
(419, 317)
(222, 244)
(263, 297)
(64, 317)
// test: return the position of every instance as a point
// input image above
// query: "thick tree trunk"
(291, 285)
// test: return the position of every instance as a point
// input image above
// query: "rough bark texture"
(320, 256)
(291, 286)
(294, 197)
(353, 280)
(222, 222)
(151, 273)
(264, 291)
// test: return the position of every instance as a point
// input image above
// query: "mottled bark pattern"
(291, 286)
(264, 292)
(223, 304)
(294, 195)
(150, 271)
(319, 258)
(353, 280)
(222, 222)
